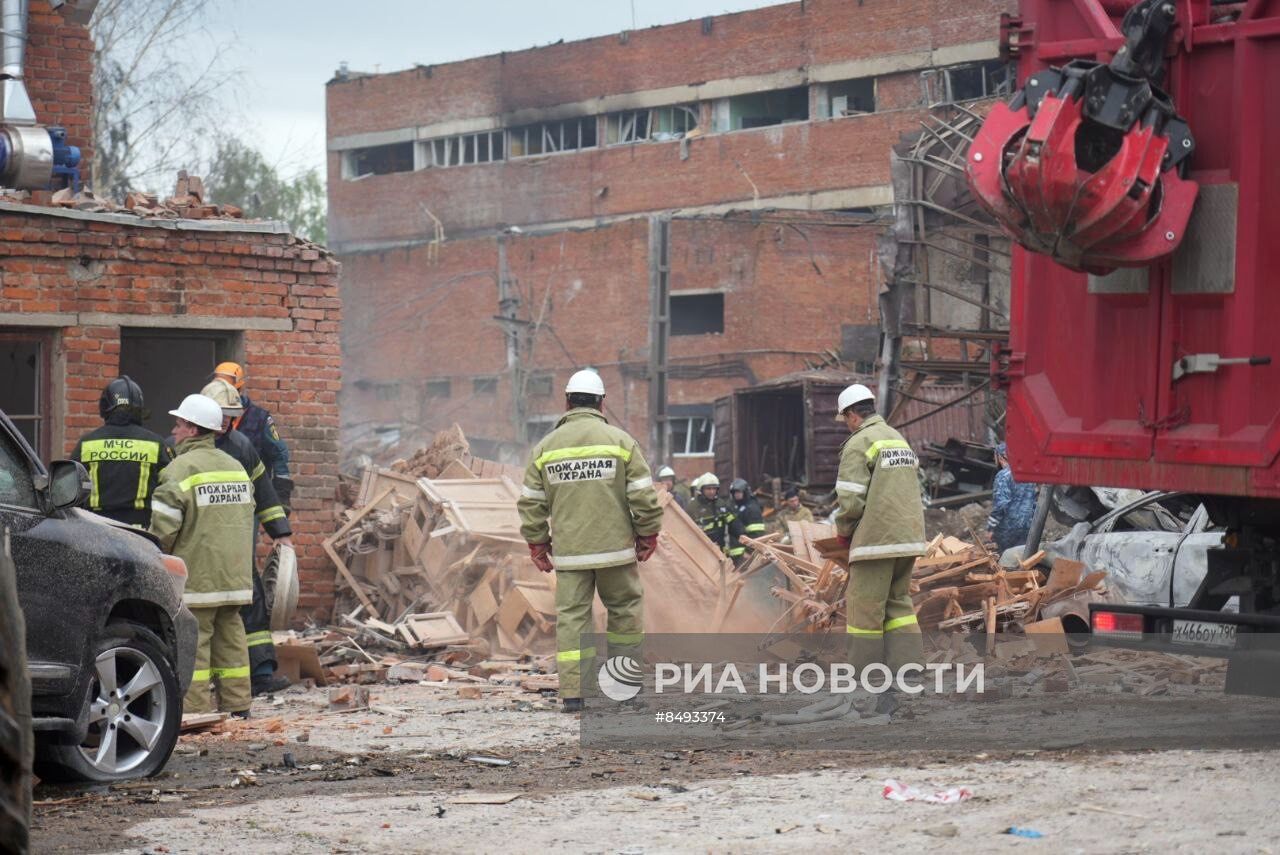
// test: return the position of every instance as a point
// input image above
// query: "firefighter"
(880, 519)
(259, 425)
(791, 511)
(666, 482)
(202, 512)
(747, 507)
(124, 459)
(587, 486)
(715, 516)
(274, 519)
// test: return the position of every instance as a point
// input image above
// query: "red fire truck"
(1134, 167)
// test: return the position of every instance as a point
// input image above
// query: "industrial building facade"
(87, 295)
(503, 221)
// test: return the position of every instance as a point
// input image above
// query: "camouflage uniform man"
(587, 486)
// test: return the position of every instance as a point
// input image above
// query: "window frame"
(690, 434)
(43, 415)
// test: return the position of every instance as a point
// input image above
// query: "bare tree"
(156, 84)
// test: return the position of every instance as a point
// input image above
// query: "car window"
(15, 477)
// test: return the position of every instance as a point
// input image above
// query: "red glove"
(646, 545)
(541, 554)
(843, 540)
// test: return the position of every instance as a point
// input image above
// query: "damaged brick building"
(505, 220)
(86, 295)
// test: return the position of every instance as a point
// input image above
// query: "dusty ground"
(370, 781)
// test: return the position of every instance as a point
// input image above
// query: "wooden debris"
(192, 722)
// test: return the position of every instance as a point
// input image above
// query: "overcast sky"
(287, 49)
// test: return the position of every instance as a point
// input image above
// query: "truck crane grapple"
(1135, 169)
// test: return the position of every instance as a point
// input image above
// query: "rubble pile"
(430, 561)
(187, 202)
(956, 585)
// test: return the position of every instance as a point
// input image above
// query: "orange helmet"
(232, 371)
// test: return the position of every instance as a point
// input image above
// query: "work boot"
(240, 714)
(571, 705)
(887, 703)
(267, 685)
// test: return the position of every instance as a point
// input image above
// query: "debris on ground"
(897, 792)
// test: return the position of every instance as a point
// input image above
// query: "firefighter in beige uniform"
(881, 519)
(588, 489)
(202, 512)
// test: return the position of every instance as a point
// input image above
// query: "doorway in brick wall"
(171, 364)
(26, 384)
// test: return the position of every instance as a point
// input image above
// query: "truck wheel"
(15, 716)
(134, 712)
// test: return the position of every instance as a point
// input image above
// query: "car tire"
(133, 724)
(15, 716)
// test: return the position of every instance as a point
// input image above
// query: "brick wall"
(59, 75)
(791, 281)
(57, 263)
(610, 181)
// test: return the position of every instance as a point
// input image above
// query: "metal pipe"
(1037, 522)
(15, 105)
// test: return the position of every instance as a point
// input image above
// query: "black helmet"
(739, 485)
(121, 392)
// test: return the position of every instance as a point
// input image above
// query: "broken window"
(991, 79)
(659, 123)
(439, 388)
(24, 386)
(851, 97)
(761, 109)
(551, 137)
(379, 160)
(691, 435)
(484, 147)
(697, 314)
(484, 385)
(538, 384)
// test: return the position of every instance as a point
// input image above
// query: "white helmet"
(200, 410)
(225, 395)
(852, 395)
(586, 382)
(706, 479)
(666, 472)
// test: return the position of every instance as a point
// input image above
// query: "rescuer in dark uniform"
(748, 507)
(274, 519)
(124, 459)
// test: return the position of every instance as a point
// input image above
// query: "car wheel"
(134, 711)
(15, 715)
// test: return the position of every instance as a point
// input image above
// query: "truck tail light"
(1117, 624)
(177, 569)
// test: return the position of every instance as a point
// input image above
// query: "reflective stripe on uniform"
(900, 622)
(622, 556)
(754, 527)
(626, 638)
(166, 510)
(736, 551)
(850, 487)
(95, 498)
(218, 597)
(885, 443)
(120, 450)
(258, 471)
(144, 479)
(639, 484)
(275, 512)
(212, 478)
(231, 673)
(582, 451)
(887, 548)
(575, 655)
(257, 639)
(853, 630)
(530, 493)
(200, 675)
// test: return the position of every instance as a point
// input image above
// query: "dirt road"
(392, 781)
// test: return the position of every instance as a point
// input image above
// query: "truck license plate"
(1204, 634)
